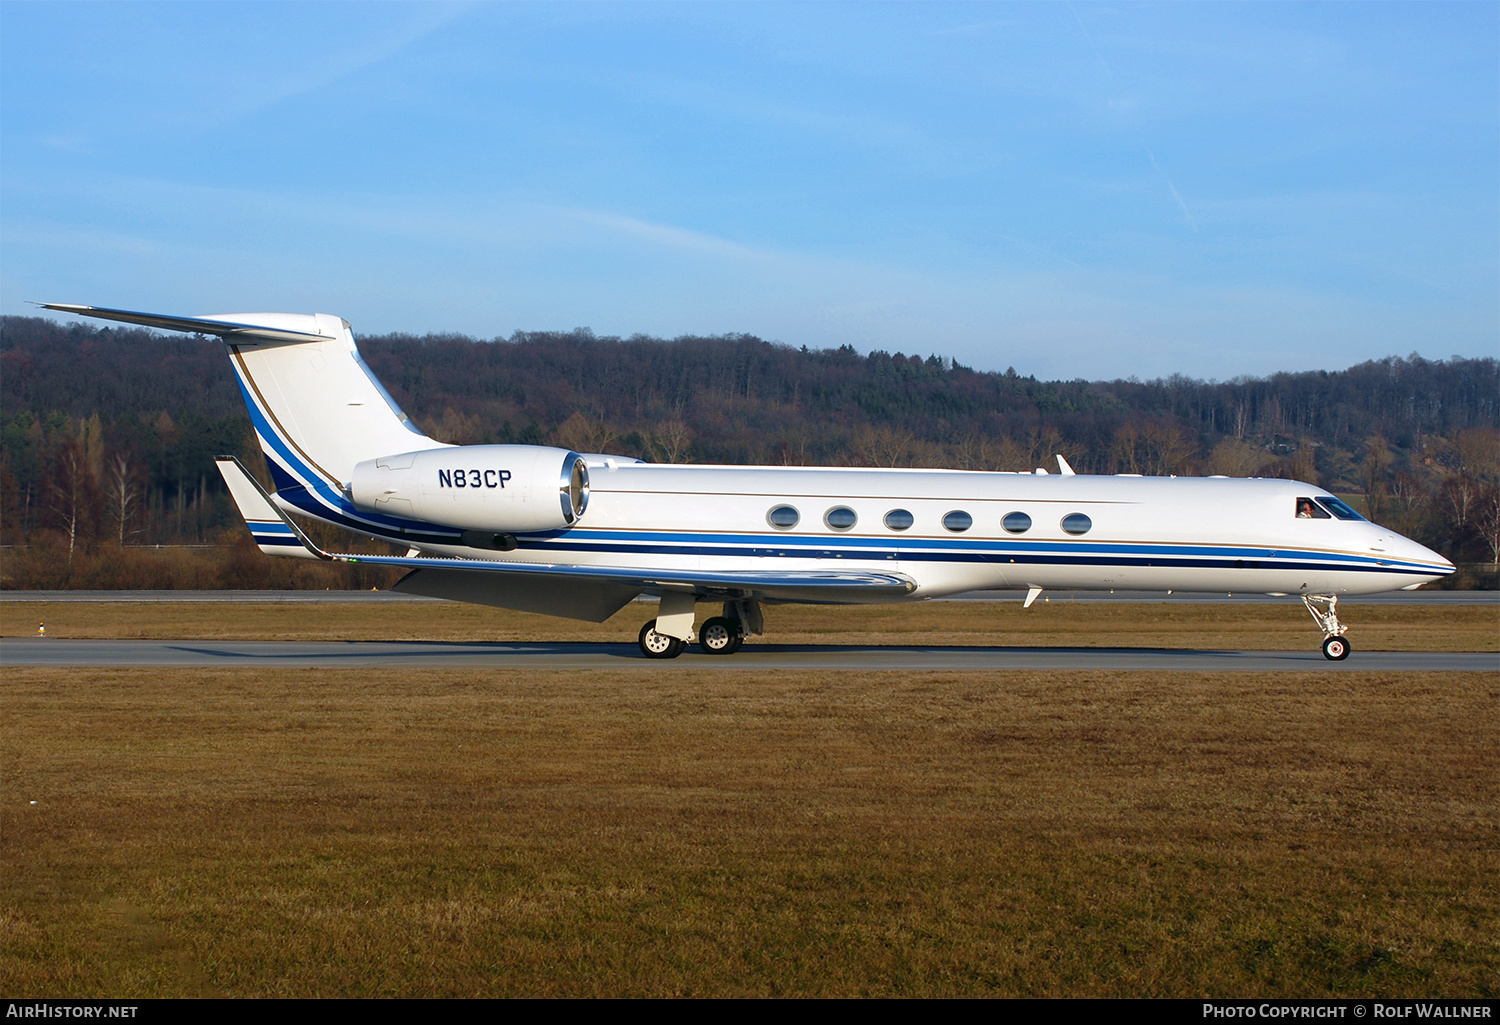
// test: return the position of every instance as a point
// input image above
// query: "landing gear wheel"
(1335, 649)
(736, 644)
(719, 636)
(655, 645)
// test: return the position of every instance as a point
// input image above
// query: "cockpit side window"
(1338, 508)
(1307, 509)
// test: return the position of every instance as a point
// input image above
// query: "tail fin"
(316, 407)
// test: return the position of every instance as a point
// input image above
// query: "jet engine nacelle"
(480, 487)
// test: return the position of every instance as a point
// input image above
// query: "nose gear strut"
(1335, 648)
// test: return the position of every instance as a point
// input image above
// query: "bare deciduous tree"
(124, 495)
(1487, 519)
(1233, 457)
(670, 441)
(584, 434)
(73, 495)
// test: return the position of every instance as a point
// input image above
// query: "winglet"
(273, 532)
(1063, 467)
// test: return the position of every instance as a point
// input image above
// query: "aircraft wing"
(559, 589)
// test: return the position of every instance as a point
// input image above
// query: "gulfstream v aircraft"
(581, 535)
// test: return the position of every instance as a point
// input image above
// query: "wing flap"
(810, 586)
(591, 600)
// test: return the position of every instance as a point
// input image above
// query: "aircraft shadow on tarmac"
(572, 655)
(438, 651)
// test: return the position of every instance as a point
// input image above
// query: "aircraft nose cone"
(1415, 552)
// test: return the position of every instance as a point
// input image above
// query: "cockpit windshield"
(1338, 508)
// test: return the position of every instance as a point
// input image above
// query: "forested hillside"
(108, 434)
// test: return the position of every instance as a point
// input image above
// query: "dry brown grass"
(1283, 626)
(481, 833)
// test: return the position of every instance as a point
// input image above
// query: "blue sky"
(1077, 190)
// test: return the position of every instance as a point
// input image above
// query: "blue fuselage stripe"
(1036, 554)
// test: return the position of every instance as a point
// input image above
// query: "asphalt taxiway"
(59, 652)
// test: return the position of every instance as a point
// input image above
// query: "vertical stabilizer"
(316, 407)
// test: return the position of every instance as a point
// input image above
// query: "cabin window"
(1339, 509)
(783, 517)
(1016, 522)
(958, 520)
(840, 517)
(899, 519)
(1307, 509)
(1077, 523)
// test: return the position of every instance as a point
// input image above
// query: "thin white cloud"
(489, 265)
(336, 65)
(66, 237)
(978, 26)
(1039, 248)
(861, 129)
(668, 236)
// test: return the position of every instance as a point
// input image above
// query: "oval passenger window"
(958, 520)
(1016, 522)
(783, 516)
(1076, 523)
(899, 519)
(840, 517)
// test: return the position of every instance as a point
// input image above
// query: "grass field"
(465, 833)
(1282, 626)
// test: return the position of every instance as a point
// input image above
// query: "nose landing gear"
(1335, 647)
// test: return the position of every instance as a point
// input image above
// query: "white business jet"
(581, 535)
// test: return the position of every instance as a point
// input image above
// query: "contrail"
(1141, 136)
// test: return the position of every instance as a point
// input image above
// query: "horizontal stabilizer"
(262, 327)
(273, 532)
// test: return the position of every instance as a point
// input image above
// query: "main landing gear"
(1324, 609)
(655, 645)
(721, 635)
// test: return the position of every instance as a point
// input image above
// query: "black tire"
(739, 642)
(655, 645)
(1335, 649)
(719, 636)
